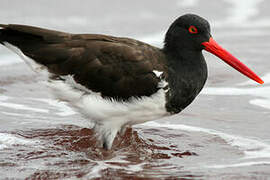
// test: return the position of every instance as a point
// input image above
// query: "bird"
(117, 82)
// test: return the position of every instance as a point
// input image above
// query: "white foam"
(28, 116)
(251, 147)
(106, 164)
(64, 110)
(253, 163)
(9, 140)
(262, 91)
(265, 103)
(22, 107)
(19, 106)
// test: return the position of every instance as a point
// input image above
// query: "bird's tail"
(18, 35)
(33, 44)
(21, 34)
(16, 40)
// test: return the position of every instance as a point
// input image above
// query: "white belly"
(108, 112)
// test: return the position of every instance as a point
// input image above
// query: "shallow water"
(223, 134)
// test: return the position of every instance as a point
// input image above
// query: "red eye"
(193, 30)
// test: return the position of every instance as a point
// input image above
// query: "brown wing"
(116, 67)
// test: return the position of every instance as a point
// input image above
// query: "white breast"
(106, 111)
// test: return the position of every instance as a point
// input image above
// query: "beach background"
(223, 134)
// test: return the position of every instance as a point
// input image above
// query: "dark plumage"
(124, 66)
(131, 76)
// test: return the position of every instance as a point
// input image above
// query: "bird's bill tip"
(213, 47)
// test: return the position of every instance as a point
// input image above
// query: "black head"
(192, 33)
(188, 32)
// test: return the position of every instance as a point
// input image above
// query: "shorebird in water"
(118, 82)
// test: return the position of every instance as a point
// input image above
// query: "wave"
(9, 140)
(252, 148)
(261, 91)
(19, 106)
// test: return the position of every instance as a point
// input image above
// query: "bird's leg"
(106, 134)
(108, 138)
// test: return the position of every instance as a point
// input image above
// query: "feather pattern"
(114, 82)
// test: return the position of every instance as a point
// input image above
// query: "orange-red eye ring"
(193, 30)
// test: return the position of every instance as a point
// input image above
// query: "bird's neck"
(187, 74)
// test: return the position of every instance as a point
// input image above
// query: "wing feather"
(116, 67)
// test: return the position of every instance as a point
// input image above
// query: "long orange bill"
(213, 47)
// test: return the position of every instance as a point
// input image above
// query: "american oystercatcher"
(117, 82)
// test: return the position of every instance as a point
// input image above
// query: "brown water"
(224, 134)
(70, 151)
